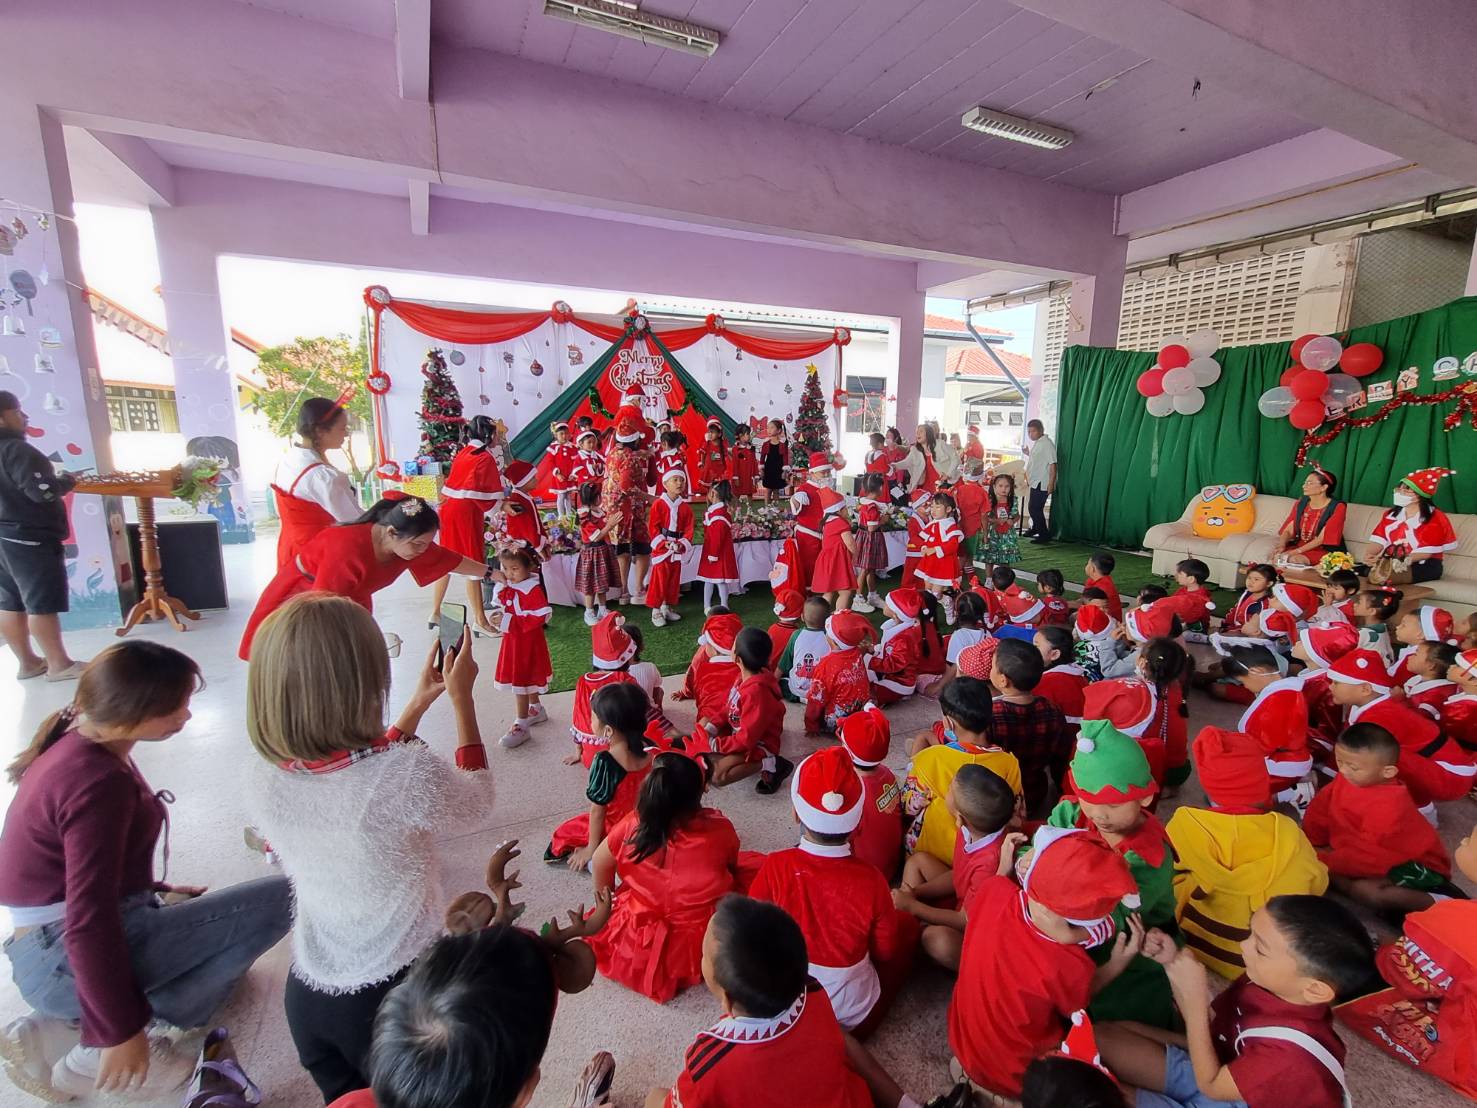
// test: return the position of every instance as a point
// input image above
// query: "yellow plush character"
(1223, 510)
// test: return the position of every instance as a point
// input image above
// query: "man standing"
(1040, 477)
(33, 570)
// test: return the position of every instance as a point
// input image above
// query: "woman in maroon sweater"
(102, 950)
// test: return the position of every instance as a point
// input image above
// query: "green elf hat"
(1109, 767)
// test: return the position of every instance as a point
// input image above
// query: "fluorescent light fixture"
(1000, 125)
(624, 18)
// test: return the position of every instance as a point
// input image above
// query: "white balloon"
(1160, 406)
(1341, 388)
(1206, 369)
(1203, 343)
(1188, 403)
(1276, 402)
(1321, 353)
(1178, 381)
(1176, 340)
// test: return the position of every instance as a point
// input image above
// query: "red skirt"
(833, 572)
(597, 571)
(463, 526)
(523, 662)
(871, 551)
(938, 571)
(719, 563)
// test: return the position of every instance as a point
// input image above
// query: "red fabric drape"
(775, 349)
(473, 328)
(600, 330)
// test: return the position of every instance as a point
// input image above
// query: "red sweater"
(1366, 832)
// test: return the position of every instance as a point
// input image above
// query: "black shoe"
(769, 782)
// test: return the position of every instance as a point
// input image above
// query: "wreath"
(378, 382)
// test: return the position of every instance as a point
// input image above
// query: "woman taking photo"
(1315, 526)
(473, 485)
(1415, 530)
(309, 492)
(102, 951)
(358, 559)
(930, 460)
(354, 812)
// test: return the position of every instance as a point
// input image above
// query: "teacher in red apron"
(310, 493)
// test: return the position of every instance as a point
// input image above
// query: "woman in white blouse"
(310, 493)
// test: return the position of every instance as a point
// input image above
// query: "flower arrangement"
(200, 482)
(762, 521)
(1334, 561)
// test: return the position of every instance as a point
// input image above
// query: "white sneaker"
(592, 617)
(875, 600)
(672, 617)
(29, 1047)
(76, 1072)
(601, 611)
(858, 604)
(517, 735)
(540, 714)
(657, 618)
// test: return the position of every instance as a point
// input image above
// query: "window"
(140, 409)
(865, 404)
(1016, 418)
(994, 419)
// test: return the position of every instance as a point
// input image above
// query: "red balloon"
(1309, 385)
(1151, 382)
(1306, 414)
(1361, 359)
(1288, 374)
(1298, 344)
(1173, 356)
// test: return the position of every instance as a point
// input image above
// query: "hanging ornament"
(19, 226)
(515, 401)
(789, 389)
(509, 386)
(49, 336)
(535, 368)
(508, 358)
(7, 242)
(378, 382)
(54, 404)
(484, 400)
(738, 355)
(456, 357)
(576, 355)
(722, 393)
(43, 222)
(540, 396)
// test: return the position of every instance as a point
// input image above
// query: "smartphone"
(449, 634)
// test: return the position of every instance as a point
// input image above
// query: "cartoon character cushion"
(1223, 510)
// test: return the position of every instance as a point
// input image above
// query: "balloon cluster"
(1309, 389)
(1184, 367)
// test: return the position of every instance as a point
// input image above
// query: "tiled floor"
(202, 765)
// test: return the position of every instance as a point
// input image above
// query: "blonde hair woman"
(353, 811)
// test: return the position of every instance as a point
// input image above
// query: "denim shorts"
(1181, 1090)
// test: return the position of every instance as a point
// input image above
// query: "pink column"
(52, 367)
(1096, 303)
(906, 344)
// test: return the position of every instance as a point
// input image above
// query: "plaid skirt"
(871, 551)
(597, 571)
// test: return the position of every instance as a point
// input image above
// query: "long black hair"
(671, 793)
(481, 428)
(623, 708)
(407, 516)
(1059, 639)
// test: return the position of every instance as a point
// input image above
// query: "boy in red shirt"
(756, 719)
(1098, 573)
(712, 672)
(789, 604)
(878, 838)
(839, 684)
(1192, 601)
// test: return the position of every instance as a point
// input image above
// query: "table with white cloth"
(756, 557)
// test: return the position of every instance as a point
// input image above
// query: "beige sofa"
(1170, 542)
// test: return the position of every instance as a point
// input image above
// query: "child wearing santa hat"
(1235, 855)
(859, 945)
(804, 649)
(893, 667)
(785, 573)
(916, 511)
(1277, 718)
(808, 507)
(612, 650)
(839, 682)
(789, 605)
(1073, 1075)
(1318, 647)
(521, 523)
(756, 720)
(563, 458)
(671, 524)
(718, 567)
(591, 465)
(1427, 623)
(673, 458)
(1153, 619)
(713, 671)
(834, 574)
(523, 664)
(1459, 713)
(1094, 628)
(938, 569)
(1024, 967)
(878, 838)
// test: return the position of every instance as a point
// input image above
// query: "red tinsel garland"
(1464, 394)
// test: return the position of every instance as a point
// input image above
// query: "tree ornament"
(508, 359)
(508, 385)
(378, 382)
(456, 357)
(722, 393)
(535, 368)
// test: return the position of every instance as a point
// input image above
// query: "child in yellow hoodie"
(1236, 855)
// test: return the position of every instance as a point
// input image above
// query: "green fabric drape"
(1121, 470)
(531, 442)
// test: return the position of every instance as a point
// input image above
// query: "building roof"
(109, 311)
(972, 363)
(949, 325)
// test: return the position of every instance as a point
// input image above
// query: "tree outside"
(308, 367)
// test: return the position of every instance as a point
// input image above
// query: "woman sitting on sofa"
(1315, 526)
(1415, 530)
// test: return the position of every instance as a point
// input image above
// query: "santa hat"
(831, 502)
(714, 421)
(849, 629)
(866, 735)
(558, 425)
(919, 497)
(1297, 599)
(1466, 663)
(1150, 621)
(1424, 481)
(1362, 667)
(679, 473)
(972, 428)
(720, 632)
(1326, 643)
(1021, 607)
(1109, 767)
(588, 433)
(611, 646)
(1080, 1045)
(1078, 876)
(827, 792)
(820, 462)
(1093, 622)
(1437, 624)
(395, 494)
(789, 603)
(1232, 768)
(517, 472)
(1126, 702)
(630, 424)
(905, 603)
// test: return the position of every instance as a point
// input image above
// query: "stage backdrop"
(529, 367)
(1122, 470)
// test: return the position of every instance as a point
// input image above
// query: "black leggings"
(332, 1033)
(1427, 569)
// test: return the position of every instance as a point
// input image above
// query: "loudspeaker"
(190, 552)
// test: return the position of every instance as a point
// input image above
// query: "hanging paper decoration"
(1184, 367)
(1465, 411)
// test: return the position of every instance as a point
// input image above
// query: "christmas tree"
(812, 424)
(441, 410)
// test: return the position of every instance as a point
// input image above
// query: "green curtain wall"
(1121, 470)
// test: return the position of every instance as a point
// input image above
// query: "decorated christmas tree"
(812, 424)
(441, 410)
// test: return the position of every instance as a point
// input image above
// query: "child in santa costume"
(859, 945)
(785, 573)
(523, 657)
(971, 500)
(1024, 968)
(984, 808)
(1093, 629)
(675, 860)
(916, 512)
(591, 464)
(1108, 793)
(1459, 713)
(564, 459)
(1415, 532)
(1429, 688)
(712, 672)
(789, 604)
(834, 575)
(1064, 683)
(878, 838)
(618, 720)
(938, 569)
(778, 1029)
(712, 457)
(1253, 598)
(756, 719)
(839, 683)
(1131, 705)
(671, 525)
(1192, 600)
(1319, 646)
(871, 542)
(1057, 613)
(673, 459)
(1378, 848)
(718, 568)
(804, 651)
(1374, 611)
(808, 507)
(893, 666)
(1235, 855)
(743, 465)
(521, 525)
(1156, 619)
(1277, 718)
(965, 736)
(1427, 623)
(473, 485)
(612, 650)
(597, 574)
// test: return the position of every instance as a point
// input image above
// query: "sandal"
(37, 672)
(593, 1087)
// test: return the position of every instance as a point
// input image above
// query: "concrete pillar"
(1096, 303)
(204, 387)
(1471, 289)
(52, 367)
(905, 344)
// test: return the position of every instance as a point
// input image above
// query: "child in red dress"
(878, 838)
(1056, 612)
(893, 667)
(712, 457)
(859, 944)
(564, 459)
(743, 466)
(913, 553)
(523, 655)
(676, 860)
(871, 542)
(718, 570)
(597, 574)
(612, 650)
(671, 524)
(712, 672)
(876, 460)
(833, 576)
(521, 524)
(591, 465)
(808, 507)
(838, 684)
(756, 720)
(938, 569)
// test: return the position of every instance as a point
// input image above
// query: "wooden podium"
(144, 486)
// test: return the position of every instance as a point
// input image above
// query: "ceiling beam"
(413, 48)
(135, 170)
(420, 207)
